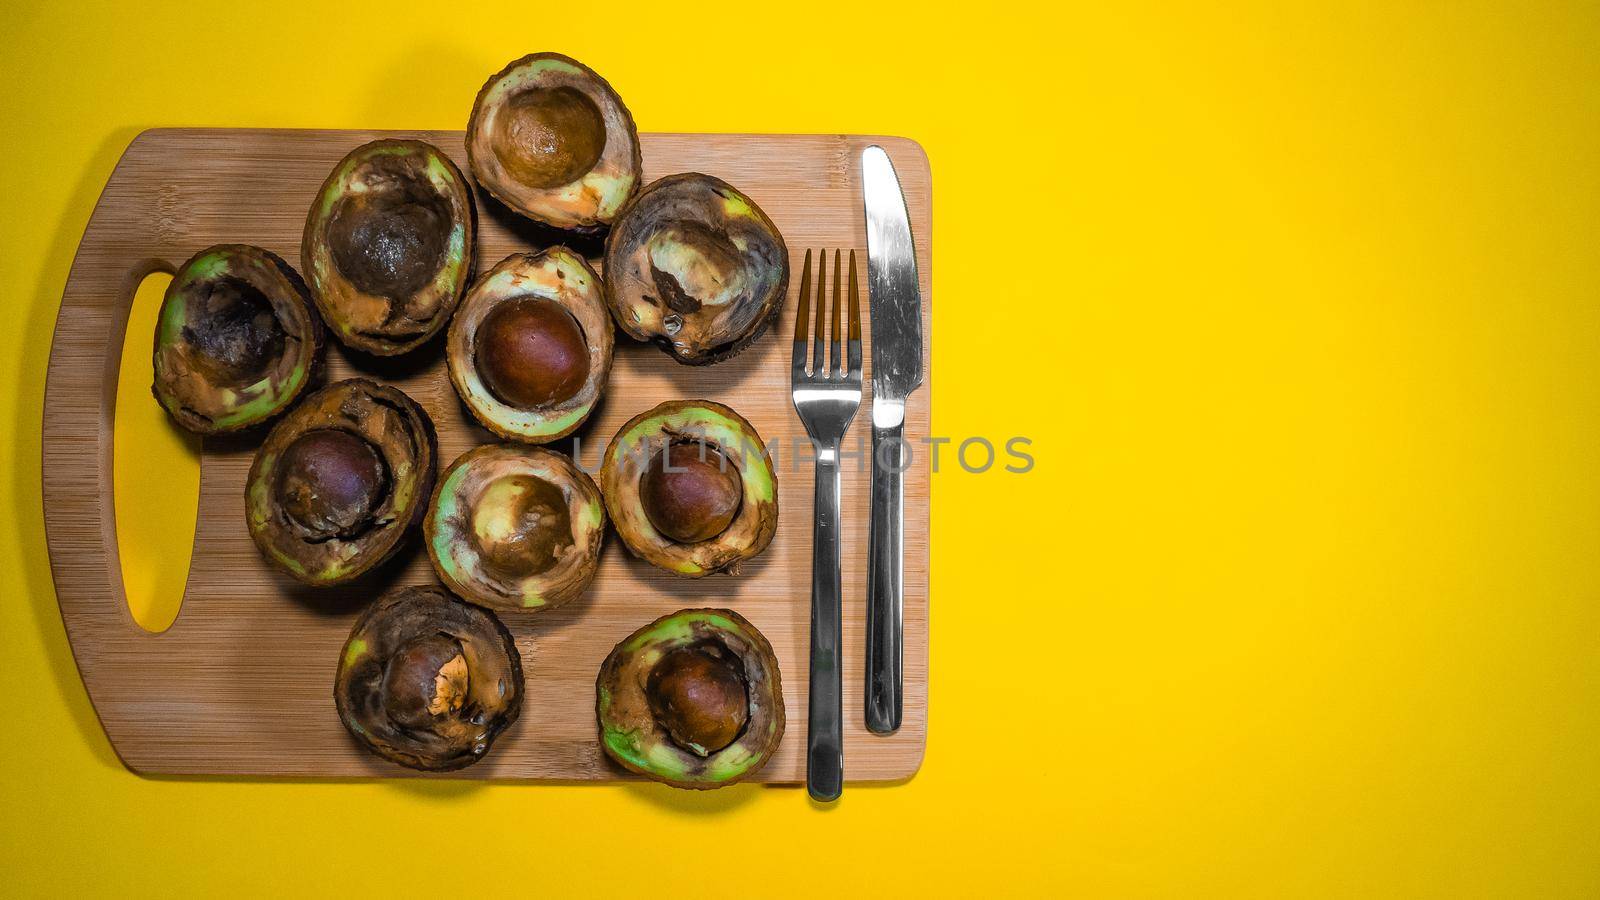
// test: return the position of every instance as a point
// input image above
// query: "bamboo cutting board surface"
(242, 682)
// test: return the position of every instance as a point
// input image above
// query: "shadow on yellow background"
(1298, 306)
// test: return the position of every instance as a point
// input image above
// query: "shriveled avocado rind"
(192, 398)
(629, 732)
(493, 663)
(587, 205)
(401, 432)
(633, 448)
(556, 274)
(701, 230)
(387, 326)
(457, 558)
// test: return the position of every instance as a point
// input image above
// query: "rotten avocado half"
(696, 266)
(427, 681)
(550, 139)
(236, 340)
(515, 527)
(693, 699)
(340, 480)
(530, 349)
(388, 245)
(690, 488)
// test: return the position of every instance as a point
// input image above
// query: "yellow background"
(1300, 307)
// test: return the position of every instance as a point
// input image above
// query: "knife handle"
(885, 558)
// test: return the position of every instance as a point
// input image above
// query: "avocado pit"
(330, 481)
(690, 492)
(549, 137)
(529, 351)
(391, 242)
(426, 678)
(532, 353)
(522, 525)
(699, 698)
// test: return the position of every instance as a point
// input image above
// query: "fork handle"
(825, 737)
(885, 558)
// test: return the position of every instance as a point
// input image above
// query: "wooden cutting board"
(241, 684)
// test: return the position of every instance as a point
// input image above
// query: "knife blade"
(895, 301)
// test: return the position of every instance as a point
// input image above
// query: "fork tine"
(803, 317)
(837, 342)
(854, 353)
(822, 309)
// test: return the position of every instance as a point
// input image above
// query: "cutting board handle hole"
(155, 469)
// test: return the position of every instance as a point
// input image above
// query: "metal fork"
(826, 400)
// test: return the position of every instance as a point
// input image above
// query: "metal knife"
(896, 305)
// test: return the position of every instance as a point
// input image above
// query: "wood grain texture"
(241, 684)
